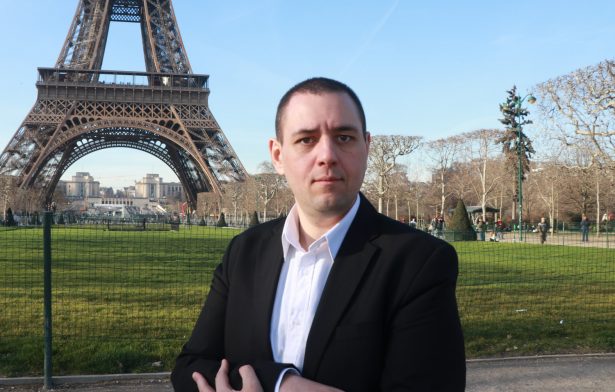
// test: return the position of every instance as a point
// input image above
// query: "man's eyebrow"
(337, 129)
(345, 128)
(301, 132)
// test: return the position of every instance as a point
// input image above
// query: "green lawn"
(125, 301)
(520, 299)
(122, 300)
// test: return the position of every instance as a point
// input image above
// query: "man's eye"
(344, 138)
(306, 140)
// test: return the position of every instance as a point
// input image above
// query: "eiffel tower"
(81, 108)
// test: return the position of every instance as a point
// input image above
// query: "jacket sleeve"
(425, 351)
(205, 349)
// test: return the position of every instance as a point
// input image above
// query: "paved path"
(567, 239)
(594, 373)
(586, 373)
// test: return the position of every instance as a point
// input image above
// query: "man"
(440, 226)
(499, 229)
(481, 227)
(584, 229)
(543, 228)
(336, 296)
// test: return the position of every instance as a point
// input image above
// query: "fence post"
(47, 219)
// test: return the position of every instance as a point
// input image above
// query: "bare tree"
(383, 153)
(208, 204)
(544, 179)
(579, 109)
(268, 183)
(284, 198)
(460, 181)
(443, 153)
(398, 190)
(416, 200)
(234, 196)
(481, 149)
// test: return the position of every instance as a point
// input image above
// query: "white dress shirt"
(302, 281)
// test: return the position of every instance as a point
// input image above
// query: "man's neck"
(311, 228)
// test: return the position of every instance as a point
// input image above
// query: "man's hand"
(293, 382)
(248, 378)
(201, 382)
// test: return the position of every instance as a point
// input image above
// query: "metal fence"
(125, 295)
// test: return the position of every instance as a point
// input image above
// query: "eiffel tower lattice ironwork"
(81, 108)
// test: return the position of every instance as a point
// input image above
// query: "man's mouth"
(327, 179)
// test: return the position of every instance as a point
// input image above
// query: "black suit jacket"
(387, 319)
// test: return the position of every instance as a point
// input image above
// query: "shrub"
(221, 221)
(460, 224)
(10, 219)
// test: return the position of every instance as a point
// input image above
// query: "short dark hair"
(317, 86)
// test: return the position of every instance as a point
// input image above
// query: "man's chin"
(333, 204)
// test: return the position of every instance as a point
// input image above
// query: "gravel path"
(577, 373)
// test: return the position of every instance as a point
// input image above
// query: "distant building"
(124, 207)
(81, 185)
(144, 197)
(106, 192)
(130, 191)
(153, 187)
(118, 201)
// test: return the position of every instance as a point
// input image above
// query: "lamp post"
(518, 109)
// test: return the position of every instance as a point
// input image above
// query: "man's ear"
(275, 150)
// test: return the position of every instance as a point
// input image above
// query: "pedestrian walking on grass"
(584, 229)
(480, 228)
(543, 228)
(499, 229)
(440, 227)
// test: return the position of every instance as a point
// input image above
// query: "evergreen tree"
(514, 120)
(460, 224)
(254, 219)
(202, 221)
(10, 219)
(221, 221)
(61, 220)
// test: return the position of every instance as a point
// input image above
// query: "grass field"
(125, 301)
(520, 299)
(122, 300)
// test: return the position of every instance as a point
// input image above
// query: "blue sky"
(431, 69)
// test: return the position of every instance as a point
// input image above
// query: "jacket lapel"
(348, 269)
(268, 264)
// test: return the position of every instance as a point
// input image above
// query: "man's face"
(322, 152)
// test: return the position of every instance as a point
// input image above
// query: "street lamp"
(518, 102)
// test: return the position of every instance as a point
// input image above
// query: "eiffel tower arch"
(81, 108)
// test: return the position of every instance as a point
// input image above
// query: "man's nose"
(327, 151)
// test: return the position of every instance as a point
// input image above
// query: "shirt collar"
(333, 237)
